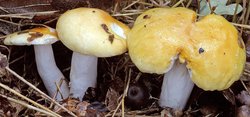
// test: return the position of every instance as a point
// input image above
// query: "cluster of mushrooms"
(169, 41)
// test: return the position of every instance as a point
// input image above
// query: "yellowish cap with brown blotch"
(214, 55)
(93, 32)
(35, 36)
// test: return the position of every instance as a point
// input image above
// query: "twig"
(145, 3)
(188, 4)
(247, 74)
(2, 37)
(248, 13)
(17, 59)
(29, 100)
(130, 5)
(210, 7)
(143, 112)
(9, 22)
(244, 86)
(241, 25)
(26, 6)
(54, 19)
(39, 91)
(177, 4)
(58, 90)
(26, 105)
(30, 14)
(126, 14)
(138, 77)
(235, 11)
(123, 97)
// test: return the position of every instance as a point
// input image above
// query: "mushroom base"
(83, 74)
(176, 87)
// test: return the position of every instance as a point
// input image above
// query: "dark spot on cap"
(201, 50)
(111, 38)
(22, 32)
(145, 26)
(224, 53)
(34, 36)
(93, 11)
(146, 17)
(105, 28)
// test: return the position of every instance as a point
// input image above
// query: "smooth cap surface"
(92, 31)
(35, 36)
(214, 55)
(156, 40)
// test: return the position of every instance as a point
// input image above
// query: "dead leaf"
(244, 98)
(168, 112)
(3, 64)
(6, 108)
(19, 6)
(3, 61)
(243, 111)
(17, 13)
(112, 99)
(81, 108)
(69, 103)
(73, 105)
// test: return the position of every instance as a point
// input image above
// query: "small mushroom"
(42, 38)
(90, 33)
(137, 96)
(169, 41)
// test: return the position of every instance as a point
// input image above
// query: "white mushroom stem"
(49, 72)
(176, 87)
(83, 74)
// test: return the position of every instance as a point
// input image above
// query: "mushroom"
(137, 97)
(42, 38)
(89, 33)
(168, 41)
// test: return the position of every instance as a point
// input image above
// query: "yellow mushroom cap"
(92, 31)
(35, 36)
(163, 14)
(210, 47)
(218, 55)
(154, 44)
